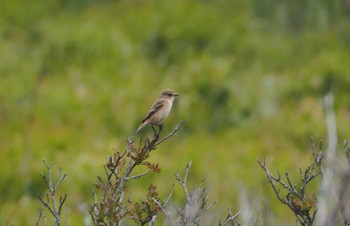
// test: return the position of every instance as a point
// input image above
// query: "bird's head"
(168, 94)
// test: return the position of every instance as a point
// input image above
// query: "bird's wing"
(155, 108)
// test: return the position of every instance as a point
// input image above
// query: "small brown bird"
(159, 110)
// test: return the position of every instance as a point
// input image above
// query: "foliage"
(302, 203)
(112, 209)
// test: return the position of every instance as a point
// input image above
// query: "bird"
(159, 110)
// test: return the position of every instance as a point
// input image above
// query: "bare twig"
(302, 205)
(41, 215)
(138, 175)
(178, 127)
(119, 170)
(46, 204)
(52, 207)
(169, 196)
(166, 214)
(229, 218)
(183, 182)
(196, 201)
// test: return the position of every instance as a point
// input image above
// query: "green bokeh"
(76, 77)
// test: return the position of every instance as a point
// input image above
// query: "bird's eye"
(169, 94)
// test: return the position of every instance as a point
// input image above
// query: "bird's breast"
(165, 110)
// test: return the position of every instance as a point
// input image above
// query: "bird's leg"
(160, 128)
(154, 130)
(157, 133)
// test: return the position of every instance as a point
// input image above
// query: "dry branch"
(51, 203)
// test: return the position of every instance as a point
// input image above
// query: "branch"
(183, 182)
(60, 180)
(196, 201)
(52, 188)
(111, 209)
(46, 204)
(169, 196)
(229, 218)
(166, 214)
(41, 215)
(271, 180)
(178, 127)
(301, 205)
(62, 200)
(138, 176)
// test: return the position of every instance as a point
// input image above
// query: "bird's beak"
(176, 94)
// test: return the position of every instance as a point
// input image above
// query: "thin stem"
(178, 127)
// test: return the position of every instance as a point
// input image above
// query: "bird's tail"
(140, 127)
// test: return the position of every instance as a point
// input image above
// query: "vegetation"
(76, 77)
(114, 204)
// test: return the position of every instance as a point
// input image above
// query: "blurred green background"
(76, 78)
